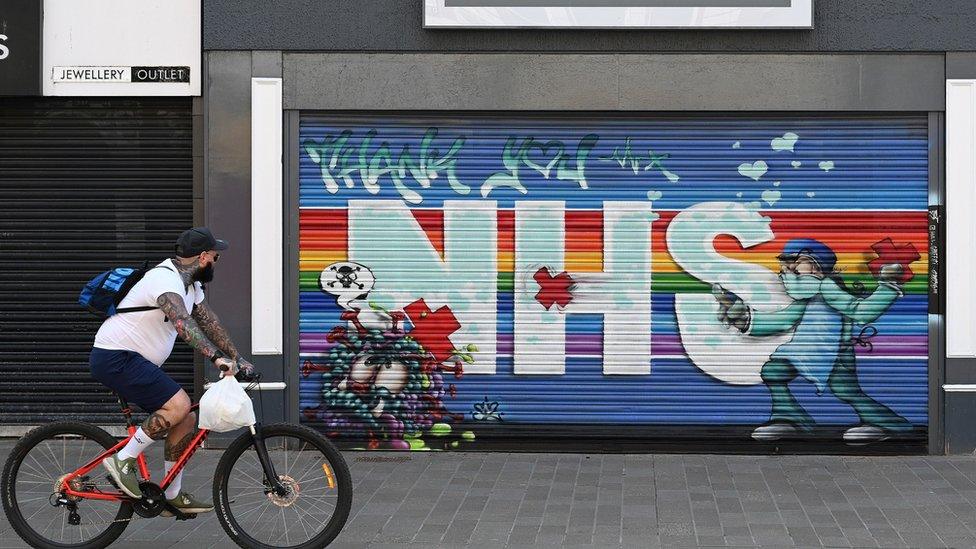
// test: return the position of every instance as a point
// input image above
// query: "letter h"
(621, 293)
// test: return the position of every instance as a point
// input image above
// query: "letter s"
(4, 50)
(721, 352)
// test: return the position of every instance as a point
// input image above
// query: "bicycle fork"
(269, 472)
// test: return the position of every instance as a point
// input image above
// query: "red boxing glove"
(890, 253)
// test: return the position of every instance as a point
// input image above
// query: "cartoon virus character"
(822, 318)
(382, 383)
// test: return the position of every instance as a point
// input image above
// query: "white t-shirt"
(147, 332)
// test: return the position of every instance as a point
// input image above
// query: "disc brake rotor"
(289, 498)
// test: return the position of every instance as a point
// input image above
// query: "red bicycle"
(279, 485)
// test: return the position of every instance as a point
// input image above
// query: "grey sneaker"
(187, 504)
(123, 472)
(865, 434)
(774, 431)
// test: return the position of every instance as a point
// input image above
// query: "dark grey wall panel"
(960, 434)
(961, 65)
(961, 371)
(227, 189)
(266, 64)
(397, 25)
(636, 82)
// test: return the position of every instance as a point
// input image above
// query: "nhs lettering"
(462, 273)
(472, 275)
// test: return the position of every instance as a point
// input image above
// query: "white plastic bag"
(225, 407)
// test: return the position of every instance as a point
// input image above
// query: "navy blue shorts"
(133, 377)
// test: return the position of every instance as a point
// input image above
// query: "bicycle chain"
(130, 519)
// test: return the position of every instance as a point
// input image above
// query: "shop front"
(472, 233)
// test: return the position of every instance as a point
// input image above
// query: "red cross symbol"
(432, 329)
(890, 253)
(553, 289)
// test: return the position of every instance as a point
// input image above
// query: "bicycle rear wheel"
(31, 482)
(319, 490)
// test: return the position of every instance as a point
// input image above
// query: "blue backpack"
(103, 293)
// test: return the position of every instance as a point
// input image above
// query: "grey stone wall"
(615, 82)
(397, 26)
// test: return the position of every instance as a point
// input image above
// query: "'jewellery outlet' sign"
(657, 14)
(92, 75)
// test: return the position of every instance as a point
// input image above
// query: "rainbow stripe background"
(877, 190)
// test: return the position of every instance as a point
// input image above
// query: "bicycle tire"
(8, 483)
(234, 452)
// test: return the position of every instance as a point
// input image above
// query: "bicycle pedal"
(189, 516)
(112, 481)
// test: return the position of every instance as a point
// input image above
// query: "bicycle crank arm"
(269, 472)
(179, 514)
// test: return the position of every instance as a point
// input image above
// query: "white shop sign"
(122, 47)
(651, 14)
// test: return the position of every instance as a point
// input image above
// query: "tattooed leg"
(175, 449)
(169, 417)
(180, 437)
(156, 426)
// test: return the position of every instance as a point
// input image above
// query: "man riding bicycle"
(131, 347)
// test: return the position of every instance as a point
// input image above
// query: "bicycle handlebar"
(242, 376)
(247, 377)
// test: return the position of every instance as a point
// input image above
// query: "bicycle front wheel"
(319, 496)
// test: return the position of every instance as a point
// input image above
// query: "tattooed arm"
(187, 328)
(210, 324)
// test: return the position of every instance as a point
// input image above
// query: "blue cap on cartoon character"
(806, 285)
(814, 249)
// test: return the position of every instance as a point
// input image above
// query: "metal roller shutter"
(571, 266)
(85, 185)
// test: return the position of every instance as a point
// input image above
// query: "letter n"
(385, 236)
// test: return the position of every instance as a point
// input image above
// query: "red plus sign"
(553, 289)
(432, 329)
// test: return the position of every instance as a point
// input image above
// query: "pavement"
(431, 499)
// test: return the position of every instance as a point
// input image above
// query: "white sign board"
(122, 47)
(650, 14)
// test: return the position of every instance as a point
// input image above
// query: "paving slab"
(471, 500)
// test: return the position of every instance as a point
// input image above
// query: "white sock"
(137, 444)
(174, 487)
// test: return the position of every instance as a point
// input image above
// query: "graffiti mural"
(760, 278)
(381, 380)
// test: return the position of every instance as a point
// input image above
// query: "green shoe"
(123, 472)
(188, 505)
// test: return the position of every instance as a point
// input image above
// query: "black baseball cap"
(197, 240)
